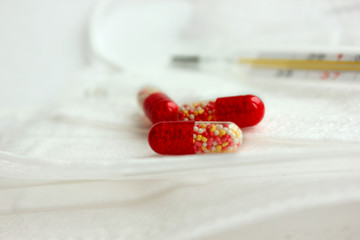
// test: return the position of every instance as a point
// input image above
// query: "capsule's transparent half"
(198, 111)
(189, 137)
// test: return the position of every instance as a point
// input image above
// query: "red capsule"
(245, 111)
(157, 106)
(189, 137)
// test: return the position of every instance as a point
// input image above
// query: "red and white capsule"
(157, 106)
(245, 111)
(190, 137)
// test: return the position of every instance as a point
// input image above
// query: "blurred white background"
(62, 172)
(43, 43)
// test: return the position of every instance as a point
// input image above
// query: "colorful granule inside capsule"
(216, 137)
(202, 111)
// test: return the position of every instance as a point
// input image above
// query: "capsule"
(157, 106)
(189, 137)
(245, 111)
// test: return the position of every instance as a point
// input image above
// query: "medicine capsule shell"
(157, 106)
(245, 111)
(189, 137)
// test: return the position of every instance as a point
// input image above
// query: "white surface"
(63, 167)
(41, 43)
(321, 206)
(101, 133)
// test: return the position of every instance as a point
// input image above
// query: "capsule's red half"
(245, 111)
(157, 106)
(189, 137)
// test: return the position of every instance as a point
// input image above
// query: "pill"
(157, 106)
(184, 137)
(244, 111)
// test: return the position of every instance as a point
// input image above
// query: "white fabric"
(99, 127)
(79, 167)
